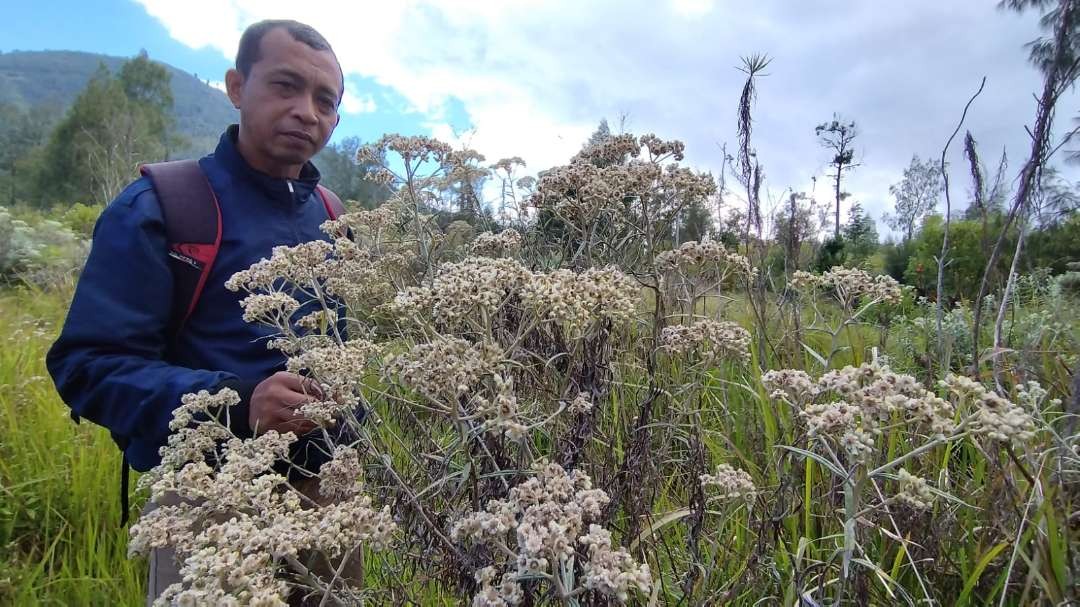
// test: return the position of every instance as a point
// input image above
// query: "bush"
(81, 218)
(833, 252)
(40, 251)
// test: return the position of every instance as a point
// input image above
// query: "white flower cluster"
(338, 370)
(479, 287)
(272, 308)
(612, 571)
(577, 299)
(365, 222)
(297, 265)
(714, 339)
(491, 594)
(914, 491)
(865, 398)
(232, 557)
(694, 254)
(995, 416)
(608, 182)
(611, 150)
(463, 290)
(501, 412)
(340, 477)
(730, 483)
(581, 404)
(318, 320)
(361, 274)
(232, 527)
(410, 148)
(445, 368)
(792, 386)
(545, 515)
(337, 373)
(489, 244)
(849, 284)
(193, 434)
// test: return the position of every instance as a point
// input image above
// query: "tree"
(1054, 199)
(966, 265)
(831, 254)
(116, 123)
(146, 85)
(860, 234)
(838, 137)
(600, 135)
(793, 225)
(916, 196)
(22, 132)
(1057, 58)
(695, 223)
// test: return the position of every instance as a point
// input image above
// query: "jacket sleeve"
(108, 362)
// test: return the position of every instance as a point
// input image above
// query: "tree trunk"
(838, 169)
(1000, 322)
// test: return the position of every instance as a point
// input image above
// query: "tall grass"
(60, 536)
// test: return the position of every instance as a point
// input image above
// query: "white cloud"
(535, 77)
(352, 102)
(692, 8)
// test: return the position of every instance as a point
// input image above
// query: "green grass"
(60, 532)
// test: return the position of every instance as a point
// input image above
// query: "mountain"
(55, 78)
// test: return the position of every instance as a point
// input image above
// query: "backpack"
(193, 234)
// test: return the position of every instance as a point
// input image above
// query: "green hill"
(55, 78)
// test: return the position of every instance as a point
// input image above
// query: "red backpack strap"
(192, 230)
(334, 208)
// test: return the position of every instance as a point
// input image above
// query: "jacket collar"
(283, 191)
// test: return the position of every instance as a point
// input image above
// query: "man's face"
(288, 103)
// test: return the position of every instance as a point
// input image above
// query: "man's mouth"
(300, 136)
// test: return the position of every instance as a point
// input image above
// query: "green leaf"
(976, 573)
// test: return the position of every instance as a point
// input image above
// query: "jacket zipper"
(293, 218)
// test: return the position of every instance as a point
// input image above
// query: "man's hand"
(275, 401)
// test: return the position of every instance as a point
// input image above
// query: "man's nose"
(304, 110)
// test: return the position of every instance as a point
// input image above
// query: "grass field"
(62, 544)
(60, 532)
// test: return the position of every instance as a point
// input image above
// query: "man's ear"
(234, 86)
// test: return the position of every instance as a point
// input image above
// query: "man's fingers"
(289, 419)
(299, 384)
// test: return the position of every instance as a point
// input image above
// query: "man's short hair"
(248, 54)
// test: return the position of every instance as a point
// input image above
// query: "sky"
(533, 78)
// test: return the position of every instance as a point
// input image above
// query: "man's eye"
(284, 84)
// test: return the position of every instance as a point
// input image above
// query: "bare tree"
(945, 238)
(839, 137)
(749, 174)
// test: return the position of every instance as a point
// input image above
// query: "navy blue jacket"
(114, 362)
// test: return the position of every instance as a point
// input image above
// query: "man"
(116, 362)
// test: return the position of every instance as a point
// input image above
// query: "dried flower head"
(542, 523)
(694, 255)
(914, 491)
(994, 416)
(849, 285)
(730, 483)
(713, 339)
(443, 369)
(490, 244)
